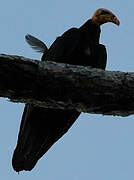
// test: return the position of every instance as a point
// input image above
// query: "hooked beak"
(115, 20)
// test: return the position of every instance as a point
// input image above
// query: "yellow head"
(102, 16)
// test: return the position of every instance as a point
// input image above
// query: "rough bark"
(57, 85)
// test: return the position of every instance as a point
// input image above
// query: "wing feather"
(36, 44)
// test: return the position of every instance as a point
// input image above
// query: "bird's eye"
(104, 12)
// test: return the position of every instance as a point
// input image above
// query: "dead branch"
(56, 85)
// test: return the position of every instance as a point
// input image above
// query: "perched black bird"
(41, 128)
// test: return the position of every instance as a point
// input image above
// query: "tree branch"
(57, 85)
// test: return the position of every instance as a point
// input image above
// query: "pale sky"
(96, 147)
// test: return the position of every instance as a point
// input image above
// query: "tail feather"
(40, 129)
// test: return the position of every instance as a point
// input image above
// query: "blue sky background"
(96, 147)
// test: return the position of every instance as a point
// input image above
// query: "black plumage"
(41, 128)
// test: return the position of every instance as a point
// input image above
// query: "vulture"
(41, 127)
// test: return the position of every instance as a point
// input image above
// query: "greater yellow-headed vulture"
(40, 128)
